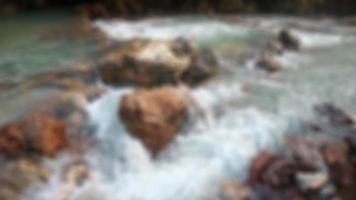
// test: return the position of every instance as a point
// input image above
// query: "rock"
(333, 115)
(37, 134)
(19, 175)
(312, 181)
(233, 190)
(203, 66)
(275, 47)
(335, 154)
(268, 63)
(155, 115)
(156, 62)
(76, 173)
(272, 170)
(289, 40)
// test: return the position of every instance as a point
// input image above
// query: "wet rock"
(76, 173)
(76, 77)
(19, 175)
(203, 66)
(336, 157)
(275, 47)
(272, 170)
(333, 115)
(154, 115)
(268, 63)
(308, 181)
(233, 190)
(156, 62)
(36, 134)
(289, 40)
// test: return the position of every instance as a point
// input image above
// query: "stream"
(240, 112)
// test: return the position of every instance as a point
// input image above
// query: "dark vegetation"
(96, 8)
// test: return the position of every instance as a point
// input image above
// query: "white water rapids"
(236, 114)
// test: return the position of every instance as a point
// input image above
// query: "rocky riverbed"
(189, 107)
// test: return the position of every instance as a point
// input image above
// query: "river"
(241, 111)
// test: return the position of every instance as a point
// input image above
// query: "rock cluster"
(151, 63)
(286, 40)
(314, 166)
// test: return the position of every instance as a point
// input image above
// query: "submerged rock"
(275, 47)
(19, 175)
(156, 62)
(35, 134)
(203, 65)
(155, 116)
(234, 190)
(289, 40)
(333, 115)
(268, 63)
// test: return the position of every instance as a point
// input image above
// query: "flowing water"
(236, 114)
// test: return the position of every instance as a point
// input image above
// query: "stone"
(289, 39)
(19, 175)
(203, 66)
(234, 190)
(149, 63)
(154, 116)
(275, 47)
(333, 115)
(268, 63)
(35, 134)
(76, 173)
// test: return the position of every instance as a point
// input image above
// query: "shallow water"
(238, 113)
(31, 44)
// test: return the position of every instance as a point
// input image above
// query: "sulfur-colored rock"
(155, 116)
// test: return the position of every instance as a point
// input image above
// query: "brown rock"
(272, 170)
(19, 175)
(38, 133)
(154, 116)
(268, 63)
(155, 63)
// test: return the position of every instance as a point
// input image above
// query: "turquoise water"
(34, 43)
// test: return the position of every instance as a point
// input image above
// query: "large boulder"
(155, 63)
(35, 134)
(155, 116)
(289, 40)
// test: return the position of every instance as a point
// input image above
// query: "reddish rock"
(38, 133)
(154, 116)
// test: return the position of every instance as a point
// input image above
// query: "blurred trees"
(134, 7)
